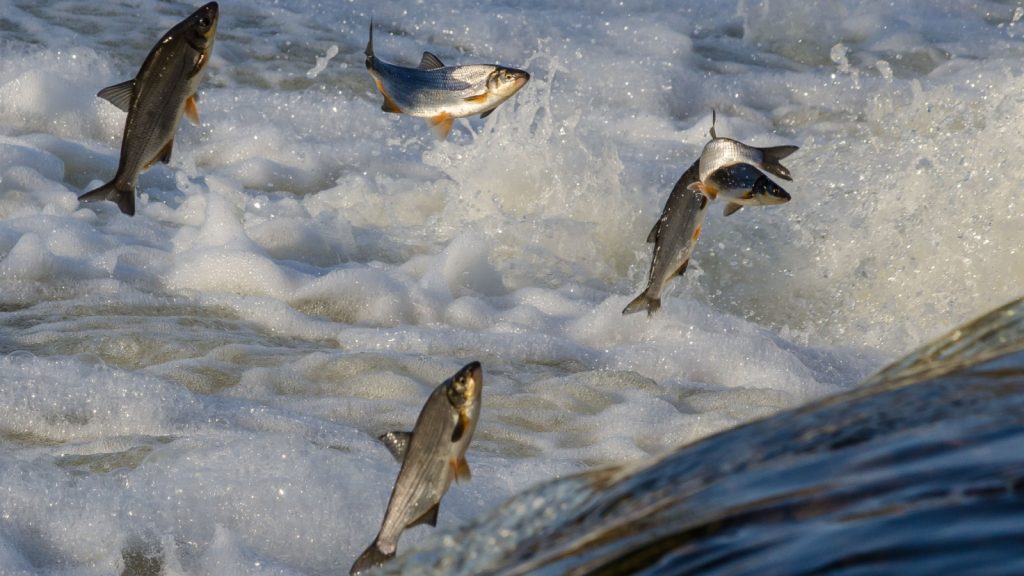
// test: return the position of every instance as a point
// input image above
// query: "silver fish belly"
(674, 237)
(155, 100)
(432, 455)
(442, 93)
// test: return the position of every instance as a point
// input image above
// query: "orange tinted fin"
(479, 98)
(389, 104)
(696, 233)
(191, 111)
(442, 124)
(460, 470)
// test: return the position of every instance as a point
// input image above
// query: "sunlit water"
(203, 382)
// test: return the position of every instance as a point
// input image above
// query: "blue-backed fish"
(432, 455)
(722, 172)
(163, 90)
(442, 93)
(674, 237)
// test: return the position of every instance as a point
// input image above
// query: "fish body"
(742, 185)
(442, 93)
(432, 455)
(674, 237)
(163, 90)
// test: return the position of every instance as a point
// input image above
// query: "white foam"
(207, 378)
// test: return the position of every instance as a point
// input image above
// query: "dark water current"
(920, 470)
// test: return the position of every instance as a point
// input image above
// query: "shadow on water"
(918, 471)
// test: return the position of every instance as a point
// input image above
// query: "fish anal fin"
(430, 62)
(731, 209)
(682, 269)
(397, 443)
(164, 156)
(119, 95)
(442, 124)
(460, 470)
(429, 517)
(191, 110)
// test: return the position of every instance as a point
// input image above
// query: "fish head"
(504, 82)
(768, 192)
(199, 29)
(464, 387)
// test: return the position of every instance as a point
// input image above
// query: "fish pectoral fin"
(477, 99)
(191, 111)
(430, 62)
(429, 517)
(460, 470)
(731, 209)
(397, 443)
(696, 234)
(119, 95)
(442, 124)
(460, 427)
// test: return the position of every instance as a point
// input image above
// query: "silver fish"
(155, 99)
(442, 93)
(674, 237)
(722, 153)
(432, 455)
(742, 185)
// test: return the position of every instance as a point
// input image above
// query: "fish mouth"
(770, 192)
(520, 77)
(474, 378)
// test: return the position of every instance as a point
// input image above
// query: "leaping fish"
(723, 153)
(674, 237)
(155, 99)
(432, 455)
(442, 93)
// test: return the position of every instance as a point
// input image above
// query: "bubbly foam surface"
(201, 386)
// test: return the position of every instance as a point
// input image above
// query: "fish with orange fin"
(432, 455)
(442, 93)
(674, 237)
(163, 90)
(733, 170)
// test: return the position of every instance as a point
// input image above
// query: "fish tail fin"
(643, 301)
(124, 196)
(773, 155)
(371, 558)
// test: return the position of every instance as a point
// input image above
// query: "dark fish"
(432, 455)
(442, 93)
(674, 236)
(155, 99)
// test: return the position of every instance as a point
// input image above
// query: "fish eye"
(204, 21)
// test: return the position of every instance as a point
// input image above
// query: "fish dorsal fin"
(653, 236)
(430, 62)
(429, 517)
(731, 208)
(460, 470)
(191, 111)
(713, 119)
(442, 124)
(397, 443)
(119, 95)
